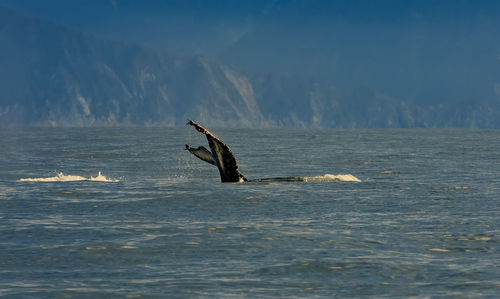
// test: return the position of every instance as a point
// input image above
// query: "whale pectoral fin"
(226, 162)
(202, 153)
(222, 155)
(198, 127)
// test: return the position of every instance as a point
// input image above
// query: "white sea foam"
(101, 178)
(333, 178)
(61, 177)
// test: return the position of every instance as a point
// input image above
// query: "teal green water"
(423, 221)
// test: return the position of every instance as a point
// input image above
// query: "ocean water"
(127, 212)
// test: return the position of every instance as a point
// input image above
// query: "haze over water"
(157, 222)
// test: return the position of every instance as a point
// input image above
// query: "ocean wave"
(332, 178)
(61, 177)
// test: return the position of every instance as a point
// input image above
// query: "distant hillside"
(295, 101)
(51, 75)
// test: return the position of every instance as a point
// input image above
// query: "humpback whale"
(219, 155)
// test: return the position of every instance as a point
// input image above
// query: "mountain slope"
(52, 75)
(304, 102)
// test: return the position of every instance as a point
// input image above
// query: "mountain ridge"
(52, 75)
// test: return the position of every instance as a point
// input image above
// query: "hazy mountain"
(52, 75)
(423, 51)
(291, 63)
(302, 102)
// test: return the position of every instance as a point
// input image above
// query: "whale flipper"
(220, 155)
(202, 153)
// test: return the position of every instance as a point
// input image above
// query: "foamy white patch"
(333, 178)
(61, 177)
(101, 178)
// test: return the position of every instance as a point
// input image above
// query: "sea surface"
(127, 212)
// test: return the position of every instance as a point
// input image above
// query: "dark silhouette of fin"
(202, 153)
(221, 155)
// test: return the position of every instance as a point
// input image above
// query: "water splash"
(332, 178)
(101, 178)
(61, 177)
